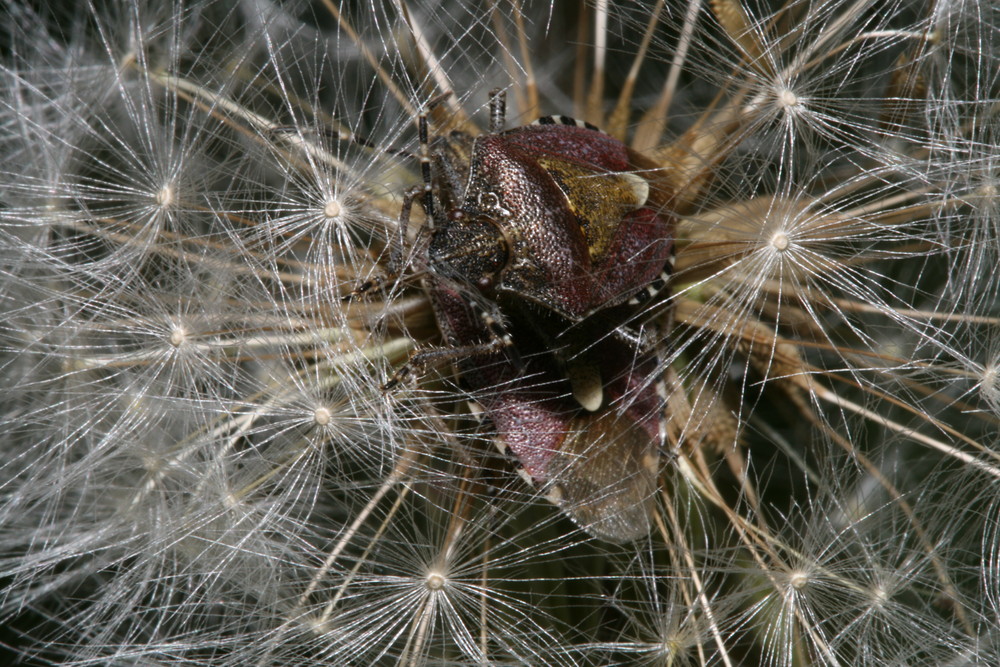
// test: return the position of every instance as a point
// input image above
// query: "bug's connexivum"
(733, 328)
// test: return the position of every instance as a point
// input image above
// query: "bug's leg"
(492, 322)
(422, 361)
(398, 248)
(499, 341)
(400, 245)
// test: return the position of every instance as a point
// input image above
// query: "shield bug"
(541, 241)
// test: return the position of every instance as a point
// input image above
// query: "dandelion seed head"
(332, 208)
(798, 579)
(322, 415)
(789, 102)
(989, 385)
(231, 501)
(153, 464)
(178, 335)
(780, 241)
(878, 597)
(435, 580)
(321, 625)
(54, 202)
(674, 647)
(166, 196)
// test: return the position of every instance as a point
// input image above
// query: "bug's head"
(470, 249)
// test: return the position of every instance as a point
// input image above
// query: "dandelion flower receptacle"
(251, 393)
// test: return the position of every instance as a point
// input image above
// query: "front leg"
(497, 342)
(399, 249)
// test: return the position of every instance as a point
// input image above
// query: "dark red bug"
(542, 241)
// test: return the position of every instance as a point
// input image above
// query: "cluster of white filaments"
(204, 287)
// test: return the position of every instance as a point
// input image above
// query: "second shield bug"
(541, 241)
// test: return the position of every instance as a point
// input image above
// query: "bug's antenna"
(425, 165)
(293, 135)
(498, 110)
(423, 135)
